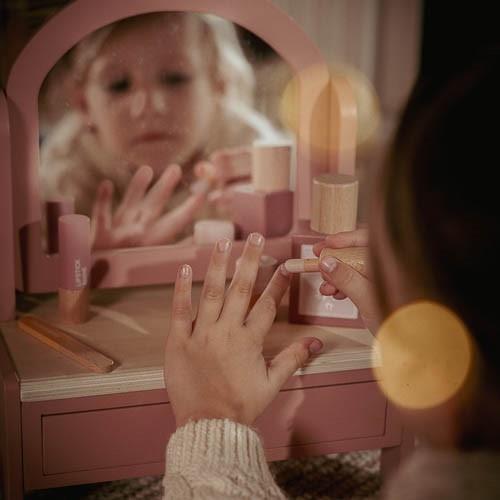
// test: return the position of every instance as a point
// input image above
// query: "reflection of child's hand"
(139, 219)
(225, 168)
(215, 368)
(343, 281)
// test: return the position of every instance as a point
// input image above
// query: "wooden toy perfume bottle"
(333, 210)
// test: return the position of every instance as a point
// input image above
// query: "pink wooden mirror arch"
(7, 293)
(36, 272)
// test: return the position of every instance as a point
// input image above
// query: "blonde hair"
(231, 66)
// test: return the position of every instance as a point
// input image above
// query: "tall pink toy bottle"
(74, 268)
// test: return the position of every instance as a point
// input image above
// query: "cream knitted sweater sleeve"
(217, 459)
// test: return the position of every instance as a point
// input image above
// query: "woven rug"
(349, 476)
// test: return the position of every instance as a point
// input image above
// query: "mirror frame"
(7, 293)
(36, 271)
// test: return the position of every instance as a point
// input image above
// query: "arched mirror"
(174, 98)
(111, 101)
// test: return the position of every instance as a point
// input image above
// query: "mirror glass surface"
(146, 124)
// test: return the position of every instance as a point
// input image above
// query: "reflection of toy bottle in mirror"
(266, 205)
(74, 267)
(333, 209)
(55, 208)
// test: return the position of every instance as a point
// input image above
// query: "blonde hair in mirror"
(229, 61)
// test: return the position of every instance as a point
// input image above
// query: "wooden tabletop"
(129, 326)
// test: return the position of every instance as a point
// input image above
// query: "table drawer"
(106, 438)
(324, 414)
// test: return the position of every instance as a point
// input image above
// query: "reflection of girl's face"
(151, 92)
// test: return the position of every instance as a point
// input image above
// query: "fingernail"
(223, 245)
(256, 239)
(284, 271)
(175, 169)
(185, 271)
(328, 264)
(315, 346)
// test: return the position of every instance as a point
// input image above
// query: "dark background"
(453, 32)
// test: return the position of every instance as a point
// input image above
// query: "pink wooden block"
(270, 214)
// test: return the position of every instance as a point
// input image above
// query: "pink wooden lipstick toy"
(74, 267)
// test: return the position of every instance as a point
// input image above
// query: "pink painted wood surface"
(392, 457)
(312, 84)
(104, 438)
(129, 266)
(10, 428)
(101, 439)
(119, 436)
(60, 33)
(7, 281)
(270, 214)
(323, 414)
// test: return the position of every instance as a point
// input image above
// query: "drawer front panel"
(99, 439)
(324, 414)
(105, 438)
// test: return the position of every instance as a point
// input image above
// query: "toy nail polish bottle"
(334, 201)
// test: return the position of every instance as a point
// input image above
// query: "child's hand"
(214, 367)
(343, 281)
(139, 219)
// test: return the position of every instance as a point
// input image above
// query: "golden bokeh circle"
(426, 355)
(314, 103)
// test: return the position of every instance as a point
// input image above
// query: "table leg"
(391, 458)
(10, 428)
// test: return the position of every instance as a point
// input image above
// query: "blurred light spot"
(426, 355)
(311, 122)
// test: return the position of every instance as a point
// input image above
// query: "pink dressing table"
(61, 425)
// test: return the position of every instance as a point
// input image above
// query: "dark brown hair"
(441, 197)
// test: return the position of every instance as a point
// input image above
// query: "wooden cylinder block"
(334, 203)
(271, 167)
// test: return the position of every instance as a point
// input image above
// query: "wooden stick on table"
(66, 344)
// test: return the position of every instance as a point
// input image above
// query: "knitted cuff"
(216, 445)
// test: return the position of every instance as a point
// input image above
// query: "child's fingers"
(155, 200)
(214, 287)
(239, 293)
(181, 315)
(174, 222)
(290, 359)
(345, 239)
(348, 281)
(127, 210)
(263, 313)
